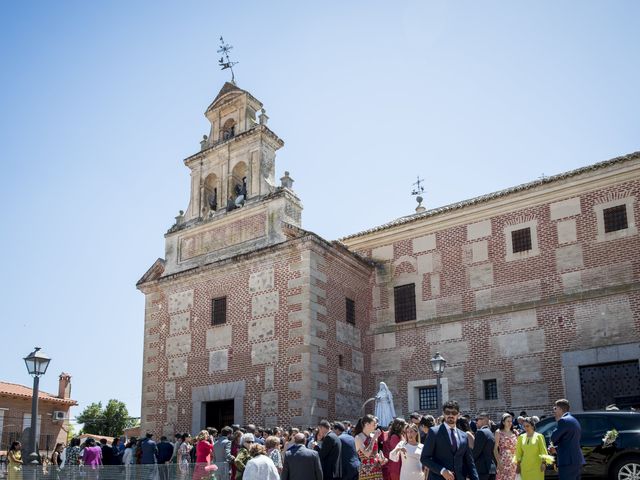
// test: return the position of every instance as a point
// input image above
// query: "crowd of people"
(451, 447)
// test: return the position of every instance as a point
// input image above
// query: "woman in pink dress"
(203, 455)
(91, 458)
(505, 449)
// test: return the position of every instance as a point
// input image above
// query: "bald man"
(300, 462)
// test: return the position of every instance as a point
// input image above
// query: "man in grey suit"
(446, 452)
(222, 452)
(300, 462)
(483, 448)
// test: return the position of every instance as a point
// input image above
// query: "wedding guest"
(204, 447)
(14, 458)
(391, 470)
(566, 442)
(260, 466)
(529, 448)
(408, 451)
(505, 449)
(272, 444)
(366, 434)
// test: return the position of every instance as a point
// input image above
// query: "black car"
(618, 461)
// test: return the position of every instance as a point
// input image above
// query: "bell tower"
(234, 202)
(237, 158)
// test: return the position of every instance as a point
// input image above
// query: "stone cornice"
(273, 249)
(277, 143)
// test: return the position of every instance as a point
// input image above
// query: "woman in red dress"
(391, 470)
(204, 447)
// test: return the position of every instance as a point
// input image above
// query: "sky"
(100, 102)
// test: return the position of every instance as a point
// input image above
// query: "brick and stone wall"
(498, 315)
(276, 355)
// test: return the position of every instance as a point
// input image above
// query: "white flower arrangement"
(610, 437)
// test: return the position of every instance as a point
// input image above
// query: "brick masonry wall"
(12, 412)
(497, 315)
(287, 355)
(276, 353)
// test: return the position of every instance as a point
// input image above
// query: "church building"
(530, 294)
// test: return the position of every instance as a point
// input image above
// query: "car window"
(546, 429)
(626, 422)
(594, 425)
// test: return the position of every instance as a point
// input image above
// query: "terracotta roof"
(15, 390)
(490, 196)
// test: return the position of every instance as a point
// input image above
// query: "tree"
(110, 421)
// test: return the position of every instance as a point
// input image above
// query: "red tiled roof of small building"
(21, 391)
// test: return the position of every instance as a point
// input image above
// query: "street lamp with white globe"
(37, 363)
(437, 365)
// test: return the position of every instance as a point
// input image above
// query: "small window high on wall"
(404, 299)
(615, 218)
(351, 311)
(219, 311)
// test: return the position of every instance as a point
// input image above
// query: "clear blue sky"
(101, 101)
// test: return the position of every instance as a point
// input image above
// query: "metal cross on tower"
(224, 50)
(418, 187)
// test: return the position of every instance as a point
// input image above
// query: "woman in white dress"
(409, 450)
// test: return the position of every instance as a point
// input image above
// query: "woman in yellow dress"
(530, 449)
(15, 461)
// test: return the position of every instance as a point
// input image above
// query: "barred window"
(427, 398)
(491, 389)
(521, 240)
(219, 311)
(615, 218)
(404, 298)
(351, 311)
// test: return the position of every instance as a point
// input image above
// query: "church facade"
(530, 294)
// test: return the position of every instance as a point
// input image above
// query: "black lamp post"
(37, 364)
(437, 365)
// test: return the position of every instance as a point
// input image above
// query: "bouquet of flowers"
(548, 459)
(610, 437)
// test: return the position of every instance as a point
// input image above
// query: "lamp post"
(37, 364)
(437, 365)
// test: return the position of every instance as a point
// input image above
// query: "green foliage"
(109, 421)
(71, 432)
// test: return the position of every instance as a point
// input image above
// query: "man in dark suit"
(348, 453)
(165, 453)
(566, 442)
(446, 452)
(483, 448)
(300, 462)
(328, 446)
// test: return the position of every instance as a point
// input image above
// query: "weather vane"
(419, 189)
(224, 50)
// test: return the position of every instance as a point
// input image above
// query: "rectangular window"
(219, 311)
(491, 389)
(428, 398)
(351, 311)
(521, 240)
(615, 218)
(404, 298)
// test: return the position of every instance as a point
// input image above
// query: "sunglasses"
(451, 413)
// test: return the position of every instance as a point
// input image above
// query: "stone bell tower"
(234, 205)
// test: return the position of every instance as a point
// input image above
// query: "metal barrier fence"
(169, 471)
